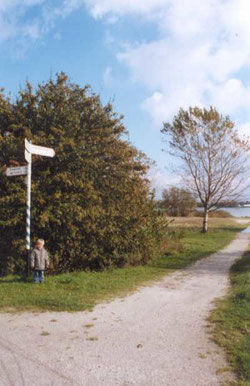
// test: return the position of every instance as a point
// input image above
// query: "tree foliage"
(178, 202)
(91, 203)
(213, 157)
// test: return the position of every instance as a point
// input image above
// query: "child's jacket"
(39, 259)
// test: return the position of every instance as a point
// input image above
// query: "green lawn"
(232, 318)
(82, 290)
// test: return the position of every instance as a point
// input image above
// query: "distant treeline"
(177, 202)
(180, 202)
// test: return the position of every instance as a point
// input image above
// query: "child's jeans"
(38, 274)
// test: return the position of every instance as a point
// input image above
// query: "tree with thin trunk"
(213, 157)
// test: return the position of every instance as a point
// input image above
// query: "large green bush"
(91, 203)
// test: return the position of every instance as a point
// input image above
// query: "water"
(238, 212)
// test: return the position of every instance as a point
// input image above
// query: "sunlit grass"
(232, 318)
(83, 290)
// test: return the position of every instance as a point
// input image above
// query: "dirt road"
(156, 336)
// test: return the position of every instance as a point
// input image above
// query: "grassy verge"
(82, 290)
(232, 318)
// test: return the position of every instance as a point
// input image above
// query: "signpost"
(39, 150)
(29, 150)
(26, 170)
(16, 171)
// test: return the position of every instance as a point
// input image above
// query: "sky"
(150, 57)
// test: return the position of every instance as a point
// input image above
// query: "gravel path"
(156, 336)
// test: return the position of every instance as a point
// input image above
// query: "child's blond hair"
(40, 241)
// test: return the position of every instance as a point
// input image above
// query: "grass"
(232, 318)
(83, 290)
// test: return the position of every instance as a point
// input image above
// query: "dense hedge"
(91, 203)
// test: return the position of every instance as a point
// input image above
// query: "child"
(39, 261)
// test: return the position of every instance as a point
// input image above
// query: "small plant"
(92, 338)
(89, 325)
(45, 333)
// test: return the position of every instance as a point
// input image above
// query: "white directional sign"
(39, 150)
(16, 171)
(27, 156)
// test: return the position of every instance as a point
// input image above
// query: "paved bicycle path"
(157, 336)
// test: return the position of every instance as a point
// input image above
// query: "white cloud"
(67, 7)
(231, 96)
(17, 24)
(101, 8)
(107, 76)
(196, 60)
(12, 24)
(199, 57)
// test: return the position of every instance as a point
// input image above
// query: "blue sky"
(150, 57)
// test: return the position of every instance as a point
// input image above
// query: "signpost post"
(29, 150)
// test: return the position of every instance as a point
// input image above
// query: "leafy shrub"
(91, 203)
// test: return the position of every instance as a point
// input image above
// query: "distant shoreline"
(237, 211)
